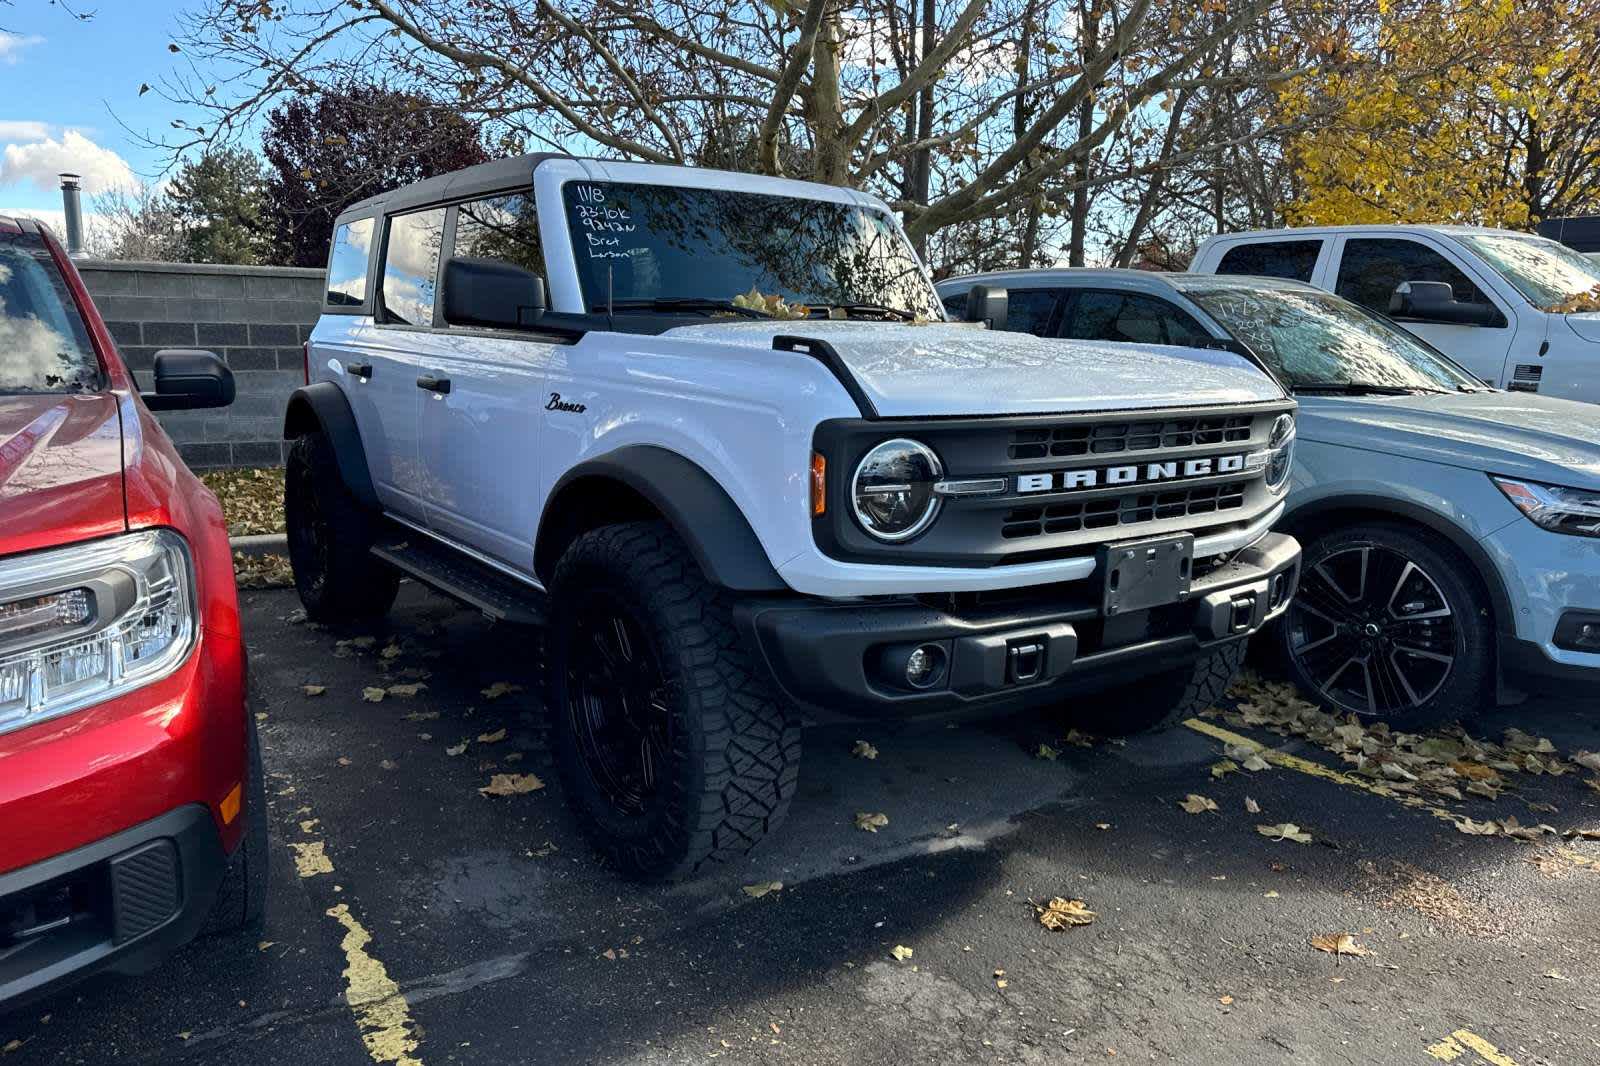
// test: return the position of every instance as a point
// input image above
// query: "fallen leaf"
(390, 651)
(1226, 1001)
(387, 764)
(1484, 789)
(492, 738)
(1251, 806)
(901, 953)
(1001, 982)
(1080, 739)
(1271, 893)
(1061, 913)
(498, 689)
(420, 716)
(1285, 831)
(511, 785)
(1395, 772)
(374, 695)
(869, 822)
(1255, 764)
(265, 944)
(1046, 752)
(1102, 825)
(313, 690)
(1222, 769)
(1556, 975)
(1589, 760)
(362, 642)
(1477, 829)
(456, 749)
(611, 953)
(761, 888)
(344, 760)
(1476, 771)
(1593, 782)
(407, 690)
(1517, 740)
(16, 1045)
(1338, 944)
(1197, 804)
(863, 750)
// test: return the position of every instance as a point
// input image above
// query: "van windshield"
(1315, 340)
(43, 344)
(658, 244)
(1552, 276)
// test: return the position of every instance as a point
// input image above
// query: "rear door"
(1368, 268)
(479, 441)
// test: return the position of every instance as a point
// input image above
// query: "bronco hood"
(1542, 438)
(60, 469)
(945, 368)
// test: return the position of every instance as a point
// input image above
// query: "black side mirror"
(987, 304)
(491, 293)
(1435, 301)
(187, 378)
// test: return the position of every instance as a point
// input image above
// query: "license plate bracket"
(1140, 574)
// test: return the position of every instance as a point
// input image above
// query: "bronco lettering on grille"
(1136, 473)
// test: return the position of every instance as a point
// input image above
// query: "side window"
(1028, 310)
(501, 227)
(1130, 317)
(411, 267)
(347, 265)
(1371, 268)
(1294, 260)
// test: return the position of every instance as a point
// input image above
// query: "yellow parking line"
(1461, 1041)
(1316, 769)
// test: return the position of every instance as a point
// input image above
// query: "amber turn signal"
(819, 485)
(230, 805)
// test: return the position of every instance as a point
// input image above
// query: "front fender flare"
(698, 508)
(324, 406)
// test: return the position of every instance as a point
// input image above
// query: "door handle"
(433, 384)
(360, 370)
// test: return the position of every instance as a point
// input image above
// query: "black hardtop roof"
(471, 181)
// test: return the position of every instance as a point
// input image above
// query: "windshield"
(1315, 339)
(661, 242)
(43, 344)
(1552, 276)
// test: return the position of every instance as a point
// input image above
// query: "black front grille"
(1111, 438)
(1072, 516)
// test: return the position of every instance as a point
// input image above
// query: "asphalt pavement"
(417, 920)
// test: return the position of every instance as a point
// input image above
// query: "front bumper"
(1023, 648)
(119, 904)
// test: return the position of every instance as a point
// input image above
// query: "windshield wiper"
(682, 303)
(882, 309)
(1352, 388)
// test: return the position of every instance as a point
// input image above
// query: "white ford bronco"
(712, 433)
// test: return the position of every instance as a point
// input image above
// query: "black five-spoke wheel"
(1389, 626)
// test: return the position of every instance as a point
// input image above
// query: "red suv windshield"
(43, 344)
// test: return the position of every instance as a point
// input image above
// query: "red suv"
(131, 804)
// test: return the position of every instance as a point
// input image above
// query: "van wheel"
(330, 534)
(1166, 699)
(1389, 625)
(671, 745)
(241, 904)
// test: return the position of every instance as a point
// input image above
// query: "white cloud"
(12, 130)
(40, 161)
(12, 45)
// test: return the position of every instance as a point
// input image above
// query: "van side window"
(1294, 260)
(411, 267)
(502, 227)
(1130, 317)
(347, 265)
(1371, 268)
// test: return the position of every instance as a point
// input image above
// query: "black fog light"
(914, 666)
(1578, 631)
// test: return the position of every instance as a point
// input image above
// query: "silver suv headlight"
(1554, 507)
(1280, 454)
(83, 624)
(892, 490)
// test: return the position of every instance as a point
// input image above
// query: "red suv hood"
(60, 469)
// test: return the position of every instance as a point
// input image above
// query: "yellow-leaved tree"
(1470, 111)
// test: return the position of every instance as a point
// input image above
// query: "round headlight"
(892, 491)
(1281, 456)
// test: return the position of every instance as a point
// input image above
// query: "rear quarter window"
(1294, 260)
(44, 346)
(347, 264)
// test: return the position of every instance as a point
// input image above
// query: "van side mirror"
(987, 304)
(491, 293)
(1435, 301)
(187, 379)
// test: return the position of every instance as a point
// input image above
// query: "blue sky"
(64, 86)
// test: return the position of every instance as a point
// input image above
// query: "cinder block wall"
(256, 318)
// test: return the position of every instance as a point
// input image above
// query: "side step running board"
(499, 597)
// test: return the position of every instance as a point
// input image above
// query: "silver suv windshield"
(1552, 276)
(658, 245)
(1315, 340)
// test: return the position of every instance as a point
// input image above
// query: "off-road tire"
(1166, 699)
(1469, 686)
(241, 903)
(734, 746)
(330, 535)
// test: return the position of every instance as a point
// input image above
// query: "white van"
(1519, 311)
